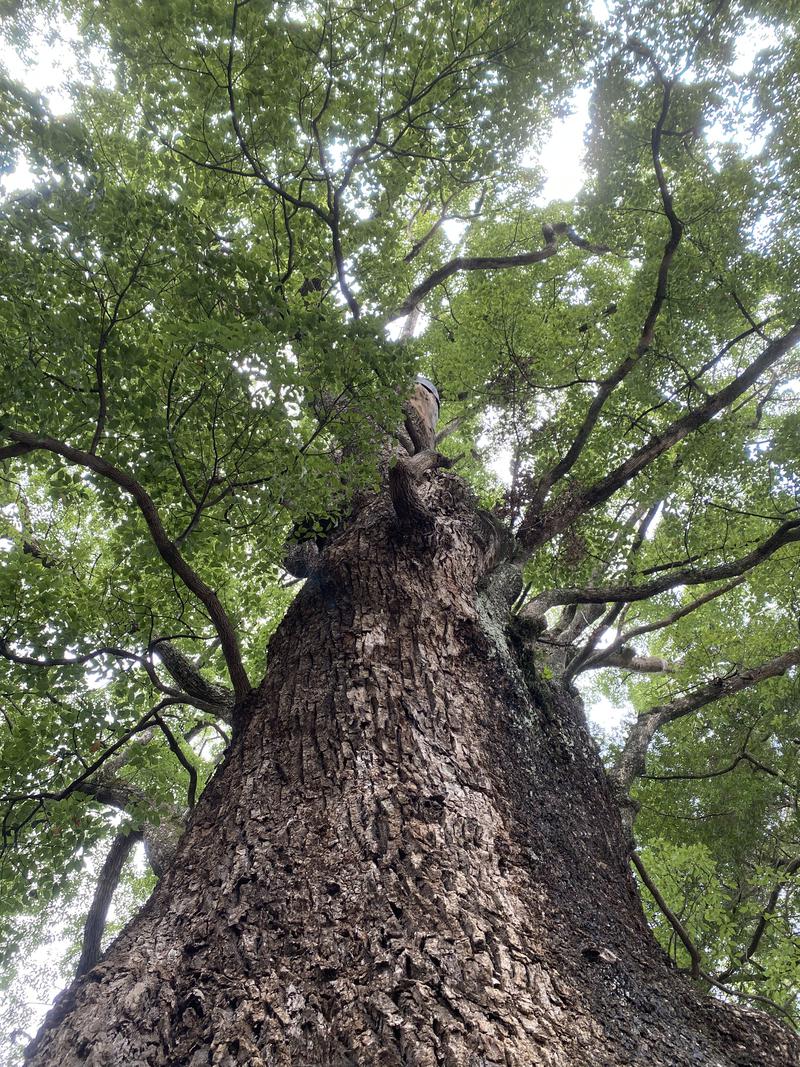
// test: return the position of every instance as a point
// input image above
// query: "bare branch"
(11, 451)
(192, 681)
(178, 753)
(628, 660)
(403, 476)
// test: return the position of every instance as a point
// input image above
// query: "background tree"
(215, 298)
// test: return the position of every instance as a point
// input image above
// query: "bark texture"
(411, 855)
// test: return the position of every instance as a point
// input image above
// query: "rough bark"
(411, 854)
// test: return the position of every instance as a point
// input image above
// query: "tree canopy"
(256, 223)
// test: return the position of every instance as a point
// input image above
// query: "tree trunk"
(411, 854)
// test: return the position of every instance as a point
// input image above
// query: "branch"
(10, 451)
(195, 698)
(784, 535)
(669, 915)
(627, 660)
(752, 947)
(607, 387)
(167, 548)
(467, 263)
(107, 882)
(245, 149)
(102, 344)
(192, 681)
(743, 757)
(178, 753)
(606, 657)
(631, 761)
(403, 476)
(540, 527)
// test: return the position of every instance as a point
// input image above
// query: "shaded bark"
(411, 854)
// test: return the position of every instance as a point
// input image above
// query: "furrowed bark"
(411, 854)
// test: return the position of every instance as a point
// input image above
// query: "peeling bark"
(411, 854)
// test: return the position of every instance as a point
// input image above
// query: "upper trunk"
(410, 856)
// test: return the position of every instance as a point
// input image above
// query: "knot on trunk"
(404, 475)
(301, 560)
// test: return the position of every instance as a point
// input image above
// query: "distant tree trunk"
(411, 854)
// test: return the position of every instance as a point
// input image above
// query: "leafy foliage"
(199, 295)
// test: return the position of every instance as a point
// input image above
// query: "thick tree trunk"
(410, 856)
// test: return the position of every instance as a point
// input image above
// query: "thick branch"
(538, 528)
(195, 698)
(630, 661)
(107, 882)
(403, 476)
(192, 681)
(10, 451)
(167, 548)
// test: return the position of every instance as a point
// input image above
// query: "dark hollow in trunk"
(410, 856)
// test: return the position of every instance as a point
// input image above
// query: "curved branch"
(631, 761)
(607, 387)
(609, 656)
(470, 263)
(213, 701)
(79, 782)
(249, 155)
(179, 755)
(787, 533)
(167, 548)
